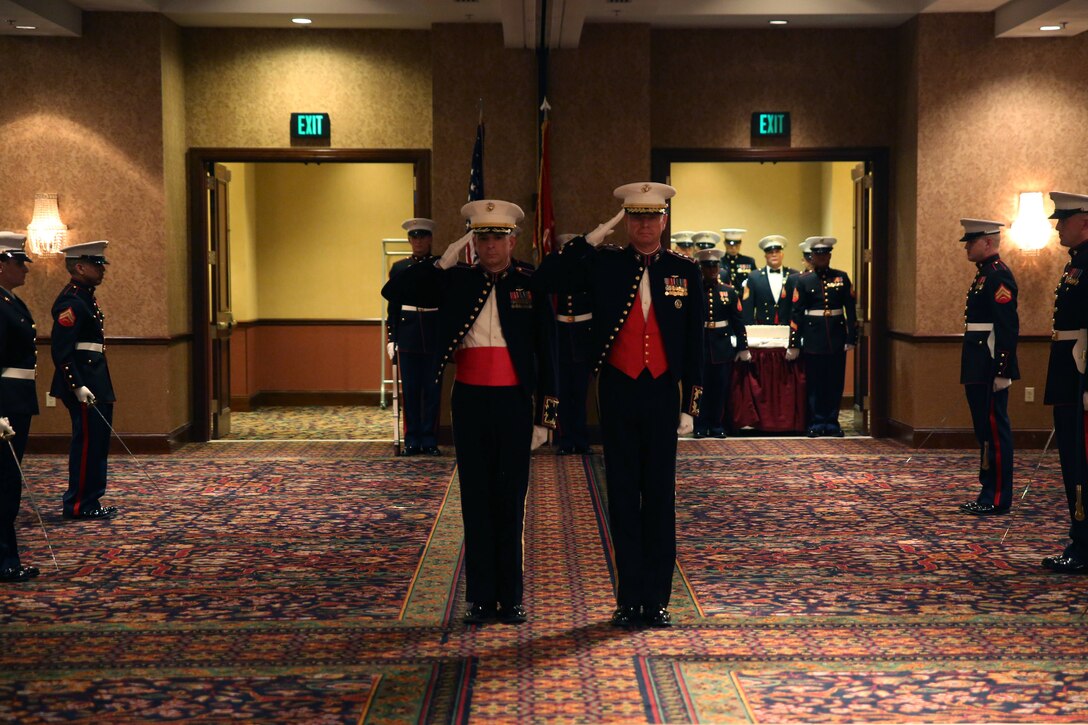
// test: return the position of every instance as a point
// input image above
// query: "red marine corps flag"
(544, 233)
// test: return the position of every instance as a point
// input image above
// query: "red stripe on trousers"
(997, 453)
(82, 459)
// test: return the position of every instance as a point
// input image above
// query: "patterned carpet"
(818, 581)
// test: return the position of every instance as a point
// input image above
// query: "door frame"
(876, 158)
(198, 161)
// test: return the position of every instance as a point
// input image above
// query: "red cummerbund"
(485, 366)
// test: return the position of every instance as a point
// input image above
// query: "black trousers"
(638, 423)
(573, 388)
(492, 432)
(1069, 421)
(825, 376)
(714, 407)
(11, 490)
(87, 456)
(421, 395)
(993, 431)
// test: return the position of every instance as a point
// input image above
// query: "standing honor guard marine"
(18, 398)
(498, 329)
(1066, 389)
(824, 327)
(683, 243)
(724, 322)
(768, 291)
(648, 326)
(82, 379)
(413, 341)
(574, 346)
(988, 363)
(736, 266)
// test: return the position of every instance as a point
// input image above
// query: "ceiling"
(564, 19)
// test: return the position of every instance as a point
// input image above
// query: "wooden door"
(222, 321)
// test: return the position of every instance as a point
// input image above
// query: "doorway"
(287, 273)
(799, 193)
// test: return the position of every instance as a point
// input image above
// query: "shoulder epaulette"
(684, 257)
(610, 248)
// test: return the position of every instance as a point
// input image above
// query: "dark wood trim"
(199, 159)
(878, 160)
(927, 438)
(138, 443)
(307, 323)
(957, 338)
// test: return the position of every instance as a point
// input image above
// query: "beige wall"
(242, 195)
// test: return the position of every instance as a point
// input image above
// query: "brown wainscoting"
(243, 404)
(926, 438)
(138, 443)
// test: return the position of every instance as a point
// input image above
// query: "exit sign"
(771, 125)
(311, 127)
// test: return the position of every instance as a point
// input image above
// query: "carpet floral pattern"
(818, 581)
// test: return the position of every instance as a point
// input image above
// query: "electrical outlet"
(1029, 395)
(50, 401)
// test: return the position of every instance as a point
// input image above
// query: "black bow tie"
(774, 271)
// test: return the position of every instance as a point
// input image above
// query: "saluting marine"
(413, 341)
(736, 266)
(1066, 388)
(724, 322)
(988, 363)
(768, 291)
(824, 327)
(18, 398)
(82, 379)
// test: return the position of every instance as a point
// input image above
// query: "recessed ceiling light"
(26, 27)
(301, 21)
(1052, 28)
(780, 22)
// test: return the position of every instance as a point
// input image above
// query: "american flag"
(545, 215)
(476, 179)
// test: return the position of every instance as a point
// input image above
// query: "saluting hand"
(540, 434)
(449, 257)
(687, 424)
(6, 431)
(597, 236)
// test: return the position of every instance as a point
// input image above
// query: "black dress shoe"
(513, 615)
(625, 616)
(583, 450)
(983, 509)
(1065, 564)
(699, 434)
(102, 512)
(717, 434)
(18, 573)
(657, 616)
(813, 431)
(835, 432)
(479, 613)
(432, 451)
(410, 451)
(566, 450)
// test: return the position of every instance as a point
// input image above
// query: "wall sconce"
(46, 232)
(1031, 229)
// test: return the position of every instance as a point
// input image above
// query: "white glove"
(6, 431)
(847, 347)
(449, 257)
(1001, 383)
(85, 396)
(687, 424)
(597, 236)
(1085, 401)
(744, 356)
(390, 349)
(540, 434)
(792, 353)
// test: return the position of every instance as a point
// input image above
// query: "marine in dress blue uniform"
(988, 363)
(823, 327)
(682, 242)
(498, 329)
(574, 347)
(768, 291)
(736, 267)
(1066, 388)
(413, 339)
(648, 330)
(18, 398)
(724, 321)
(81, 379)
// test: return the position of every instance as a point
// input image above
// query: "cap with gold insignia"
(733, 236)
(418, 227)
(1066, 204)
(91, 251)
(683, 239)
(12, 246)
(975, 228)
(492, 215)
(772, 242)
(645, 197)
(706, 240)
(820, 245)
(564, 238)
(710, 257)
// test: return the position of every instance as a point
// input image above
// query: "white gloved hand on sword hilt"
(85, 396)
(391, 349)
(449, 257)
(687, 424)
(597, 236)
(6, 431)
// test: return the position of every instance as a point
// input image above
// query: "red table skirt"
(768, 393)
